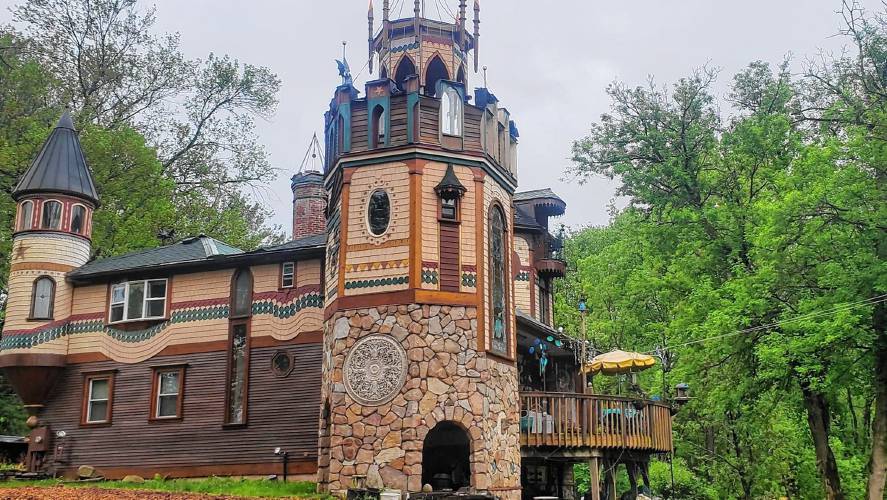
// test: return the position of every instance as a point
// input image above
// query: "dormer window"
(52, 215)
(451, 112)
(78, 219)
(26, 215)
(138, 300)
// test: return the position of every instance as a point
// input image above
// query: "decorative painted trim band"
(409, 46)
(278, 304)
(373, 283)
(374, 266)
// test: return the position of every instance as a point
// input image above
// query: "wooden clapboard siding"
(429, 111)
(282, 412)
(359, 126)
(472, 124)
(398, 132)
(449, 257)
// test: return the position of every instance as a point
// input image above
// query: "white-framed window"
(26, 215)
(78, 219)
(98, 399)
(451, 112)
(137, 300)
(52, 215)
(288, 275)
(168, 392)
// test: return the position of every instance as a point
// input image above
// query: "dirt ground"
(62, 493)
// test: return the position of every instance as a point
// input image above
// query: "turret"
(55, 200)
(309, 204)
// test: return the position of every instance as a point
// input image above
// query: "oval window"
(378, 212)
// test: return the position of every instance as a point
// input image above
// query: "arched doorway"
(445, 457)
(434, 72)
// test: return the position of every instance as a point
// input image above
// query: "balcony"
(551, 263)
(583, 421)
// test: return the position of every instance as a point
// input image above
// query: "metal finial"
(485, 77)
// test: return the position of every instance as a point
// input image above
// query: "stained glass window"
(378, 212)
(498, 300)
(237, 363)
(242, 294)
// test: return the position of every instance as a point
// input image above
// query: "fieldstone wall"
(446, 379)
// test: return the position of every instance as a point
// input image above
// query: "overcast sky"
(548, 62)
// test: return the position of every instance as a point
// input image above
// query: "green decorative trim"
(399, 280)
(385, 102)
(469, 279)
(260, 307)
(412, 98)
(409, 46)
(429, 276)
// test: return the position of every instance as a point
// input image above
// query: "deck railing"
(595, 421)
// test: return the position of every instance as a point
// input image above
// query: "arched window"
(241, 294)
(460, 75)
(340, 135)
(383, 72)
(52, 215)
(435, 72)
(405, 69)
(497, 266)
(451, 112)
(78, 219)
(26, 215)
(42, 298)
(378, 135)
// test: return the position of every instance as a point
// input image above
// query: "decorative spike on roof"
(59, 167)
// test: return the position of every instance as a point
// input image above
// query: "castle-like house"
(386, 343)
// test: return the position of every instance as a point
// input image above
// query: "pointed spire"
(476, 32)
(370, 36)
(60, 167)
(385, 10)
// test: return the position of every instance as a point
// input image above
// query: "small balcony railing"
(594, 421)
(551, 264)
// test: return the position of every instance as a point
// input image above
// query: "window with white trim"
(52, 215)
(451, 112)
(98, 399)
(26, 215)
(288, 275)
(138, 300)
(168, 392)
(78, 219)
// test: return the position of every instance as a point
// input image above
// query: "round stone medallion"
(375, 370)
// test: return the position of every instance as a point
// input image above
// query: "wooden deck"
(594, 422)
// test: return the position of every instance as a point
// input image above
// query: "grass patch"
(213, 486)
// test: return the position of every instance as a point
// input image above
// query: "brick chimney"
(309, 204)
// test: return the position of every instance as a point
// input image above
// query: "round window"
(281, 364)
(378, 212)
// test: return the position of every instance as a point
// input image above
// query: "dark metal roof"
(536, 194)
(449, 183)
(190, 254)
(59, 167)
(196, 249)
(523, 219)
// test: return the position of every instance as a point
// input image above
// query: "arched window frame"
(379, 132)
(405, 68)
(43, 213)
(451, 112)
(50, 309)
(430, 80)
(492, 262)
(26, 219)
(233, 312)
(83, 221)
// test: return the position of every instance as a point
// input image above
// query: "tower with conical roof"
(55, 198)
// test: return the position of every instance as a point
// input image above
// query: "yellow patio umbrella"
(617, 362)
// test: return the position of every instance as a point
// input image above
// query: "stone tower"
(55, 200)
(420, 382)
